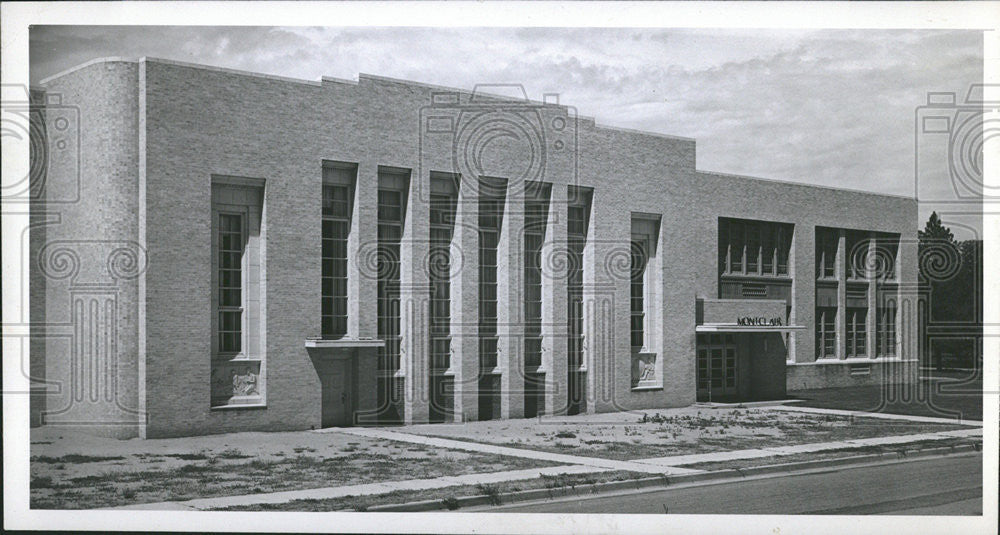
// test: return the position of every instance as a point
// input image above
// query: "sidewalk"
(678, 460)
(574, 465)
(608, 464)
(884, 415)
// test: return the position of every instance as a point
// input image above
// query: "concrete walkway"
(884, 415)
(574, 465)
(679, 460)
(367, 488)
(609, 464)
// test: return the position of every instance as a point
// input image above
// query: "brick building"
(219, 251)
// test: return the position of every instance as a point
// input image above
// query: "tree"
(934, 230)
(950, 273)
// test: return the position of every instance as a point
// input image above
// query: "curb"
(666, 481)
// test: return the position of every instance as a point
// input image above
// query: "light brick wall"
(203, 121)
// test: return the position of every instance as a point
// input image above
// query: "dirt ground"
(658, 433)
(70, 469)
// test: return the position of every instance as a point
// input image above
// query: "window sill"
(239, 406)
(755, 276)
(647, 387)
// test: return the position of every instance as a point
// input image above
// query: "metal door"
(337, 394)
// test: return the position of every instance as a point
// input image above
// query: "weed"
(565, 434)
(451, 503)
(261, 464)
(43, 482)
(189, 469)
(200, 456)
(74, 458)
(491, 491)
(233, 453)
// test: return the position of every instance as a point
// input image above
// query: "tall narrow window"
(854, 324)
(886, 251)
(826, 252)
(753, 247)
(536, 211)
(443, 205)
(885, 339)
(442, 225)
(576, 241)
(855, 254)
(391, 208)
(783, 243)
(237, 311)
(736, 239)
(490, 215)
(535, 218)
(337, 196)
(769, 234)
(231, 246)
(638, 290)
(826, 333)
(491, 205)
(390, 232)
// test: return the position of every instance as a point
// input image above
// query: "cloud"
(833, 107)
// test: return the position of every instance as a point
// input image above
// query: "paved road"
(935, 486)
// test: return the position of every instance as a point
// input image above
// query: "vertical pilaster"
(510, 299)
(870, 276)
(555, 272)
(839, 268)
(465, 304)
(414, 300)
(362, 243)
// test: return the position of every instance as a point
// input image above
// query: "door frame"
(730, 366)
(347, 365)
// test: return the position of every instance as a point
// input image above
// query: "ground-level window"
(854, 324)
(826, 334)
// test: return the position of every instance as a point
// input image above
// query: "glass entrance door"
(716, 373)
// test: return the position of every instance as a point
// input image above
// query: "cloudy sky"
(830, 107)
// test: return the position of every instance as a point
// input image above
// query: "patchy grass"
(448, 495)
(74, 458)
(890, 449)
(199, 480)
(625, 436)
